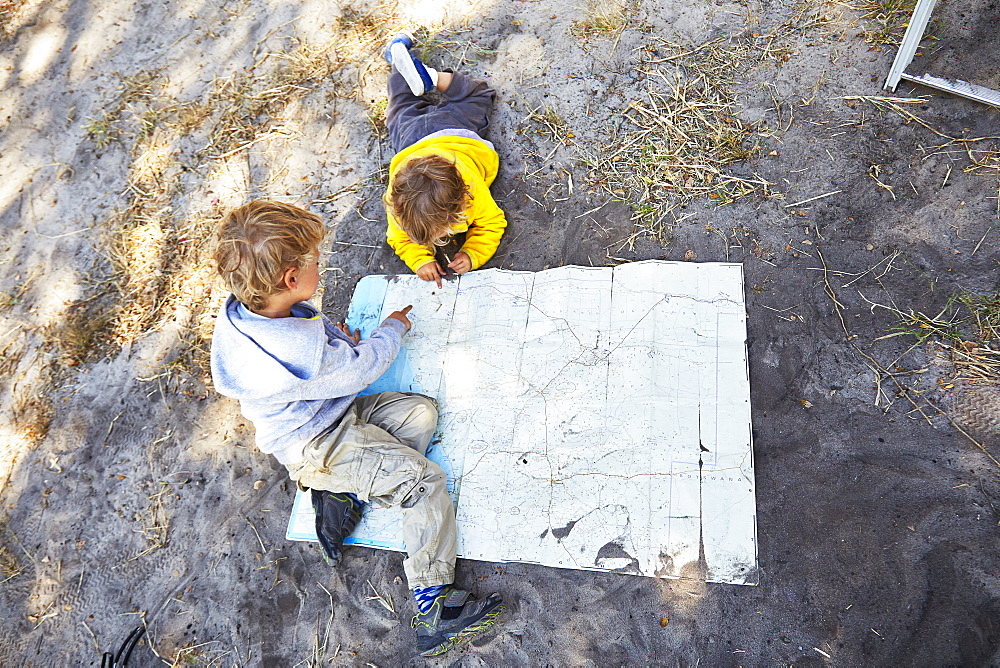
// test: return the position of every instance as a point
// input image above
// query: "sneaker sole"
(403, 63)
(488, 620)
(404, 38)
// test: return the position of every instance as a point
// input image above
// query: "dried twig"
(904, 390)
(386, 600)
(263, 549)
(681, 139)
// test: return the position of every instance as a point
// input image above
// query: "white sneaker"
(418, 76)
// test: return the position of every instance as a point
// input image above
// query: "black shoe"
(455, 616)
(337, 513)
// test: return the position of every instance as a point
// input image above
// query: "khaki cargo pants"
(377, 452)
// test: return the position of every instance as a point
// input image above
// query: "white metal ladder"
(908, 48)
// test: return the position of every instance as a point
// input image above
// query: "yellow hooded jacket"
(484, 221)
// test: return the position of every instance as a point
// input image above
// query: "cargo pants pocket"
(390, 477)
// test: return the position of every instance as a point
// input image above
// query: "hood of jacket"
(254, 357)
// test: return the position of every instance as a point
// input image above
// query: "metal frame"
(908, 48)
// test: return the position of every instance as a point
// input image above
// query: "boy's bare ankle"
(443, 81)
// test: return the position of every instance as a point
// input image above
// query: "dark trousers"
(467, 105)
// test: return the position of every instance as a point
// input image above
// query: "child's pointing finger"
(401, 316)
(431, 271)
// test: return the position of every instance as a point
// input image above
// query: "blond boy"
(297, 377)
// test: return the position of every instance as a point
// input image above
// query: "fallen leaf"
(806, 403)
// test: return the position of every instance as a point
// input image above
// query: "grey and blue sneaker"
(418, 76)
(454, 617)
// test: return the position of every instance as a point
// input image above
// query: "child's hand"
(356, 335)
(462, 263)
(431, 271)
(401, 316)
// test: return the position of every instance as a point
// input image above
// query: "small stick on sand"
(21, 545)
(812, 199)
(96, 646)
(256, 533)
(990, 229)
(387, 604)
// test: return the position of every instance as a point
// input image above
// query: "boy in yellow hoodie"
(439, 179)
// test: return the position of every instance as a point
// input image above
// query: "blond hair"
(257, 242)
(427, 197)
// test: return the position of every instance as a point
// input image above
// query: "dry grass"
(968, 323)
(101, 130)
(156, 523)
(14, 297)
(820, 18)
(111, 124)
(887, 20)
(684, 137)
(681, 140)
(247, 108)
(601, 17)
(549, 123)
(32, 409)
(983, 153)
(376, 116)
(82, 336)
(968, 328)
(153, 273)
(202, 655)
(8, 17)
(884, 378)
(10, 354)
(447, 48)
(965, 316)
(10, 566)
(966, 332)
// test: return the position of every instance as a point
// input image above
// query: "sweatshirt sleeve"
(486, 225)
(413, 254)
(346, 369)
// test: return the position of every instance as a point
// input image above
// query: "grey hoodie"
(296, 376)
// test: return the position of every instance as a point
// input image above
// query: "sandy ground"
(132, 493)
